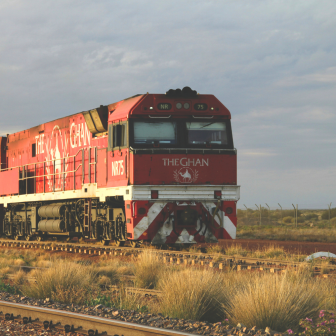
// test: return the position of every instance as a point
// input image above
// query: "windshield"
(155, 132)
(207, 132)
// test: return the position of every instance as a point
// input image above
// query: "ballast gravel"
(10, 328)
(153, 320)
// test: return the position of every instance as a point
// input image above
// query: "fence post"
(246, 214)
(329, 206)
(269, 214)
(295, 215)
(281, 212)
(259, 211)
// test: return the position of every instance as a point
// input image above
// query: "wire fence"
(265, 215)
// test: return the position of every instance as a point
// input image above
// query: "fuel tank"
(51, 225)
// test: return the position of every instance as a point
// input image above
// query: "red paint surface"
(9, 182)
(172, 168)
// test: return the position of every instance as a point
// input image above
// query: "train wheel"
(105, 242)
(28, 237)
(17, 237)
(120, 243)
(40, 238)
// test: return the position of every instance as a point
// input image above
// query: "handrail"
(68, 171)
(33, 163)
(24, 169)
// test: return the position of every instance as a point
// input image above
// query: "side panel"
(102, 167)
(9, 182)
(1, 218)
(117, 168)
(184, 169)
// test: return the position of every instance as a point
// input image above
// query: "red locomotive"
(159, 168)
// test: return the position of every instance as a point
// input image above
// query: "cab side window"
(117, 136)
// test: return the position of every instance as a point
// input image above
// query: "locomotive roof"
(146, 104)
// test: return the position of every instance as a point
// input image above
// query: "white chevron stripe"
(146, 221)
(230, 227)
(227, 223)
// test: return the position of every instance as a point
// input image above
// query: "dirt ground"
(290, 246)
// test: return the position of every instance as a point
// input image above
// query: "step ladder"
(87, 217)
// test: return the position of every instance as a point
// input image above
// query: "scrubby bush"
(325, 214)
(194, 295)
(311, 216)
(288, 219)
(286, 213)
(276, 301)
(300, 219)
(148, 270)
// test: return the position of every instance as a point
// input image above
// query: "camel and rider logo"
(186, 175)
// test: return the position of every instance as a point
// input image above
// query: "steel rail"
(92, 325)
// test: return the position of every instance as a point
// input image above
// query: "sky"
(271, 63)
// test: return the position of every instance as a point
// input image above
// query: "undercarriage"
(82, 218)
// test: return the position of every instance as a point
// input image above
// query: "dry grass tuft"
(66, 282)
(19, 262)
(4, 262)
(104, 280)
(148, 270)
(126, 269)
(128, 301)
(235, 249)
(215, 249)
(276, 301)
(5, 270)
(195, 249)
(20, 278)
(44, 263)
(110, 272)
(192, 294)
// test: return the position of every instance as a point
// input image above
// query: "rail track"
(215, 261)
(74, 322)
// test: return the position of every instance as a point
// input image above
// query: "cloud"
(256, 153)
(307, 187)
(271, 63)
(325, 76)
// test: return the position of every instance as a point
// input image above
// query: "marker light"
(154, 194)
(186, 105)
(228, 210)
(178, 105)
